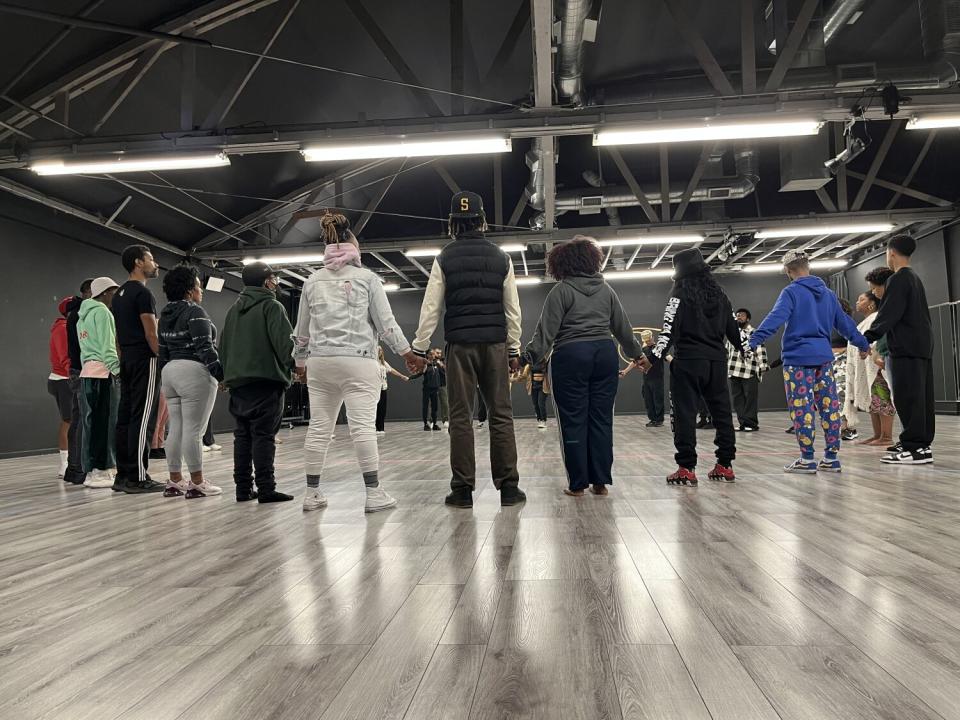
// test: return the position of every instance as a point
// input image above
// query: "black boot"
(512, 496)
(272, 496)
(246, 495)
(461, 498)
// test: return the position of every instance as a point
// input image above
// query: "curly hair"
(179, 281)
(879, 276)
(700, 289)
(335, 228)
(580, 256)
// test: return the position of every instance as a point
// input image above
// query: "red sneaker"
(722, 473)
(682, 477)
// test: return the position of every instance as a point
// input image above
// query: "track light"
(814, 230)
(857, 138)
(934, 122)
(708, 131)
(650, 240)
(127, 163)
(637, 274)
(407, 148)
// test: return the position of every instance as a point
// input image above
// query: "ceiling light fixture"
(650, 240)
(128, 163)
(434, 251)
(708, 131)
(286, 259)
(390, 287)
(812, 230)
(637, 274)
(933, 122)
(407, 148)
(778, 267)
(528, 280)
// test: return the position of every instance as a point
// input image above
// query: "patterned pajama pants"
(812, 391)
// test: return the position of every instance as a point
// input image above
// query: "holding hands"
(415, 363)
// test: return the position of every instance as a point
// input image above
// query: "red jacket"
(59, 355)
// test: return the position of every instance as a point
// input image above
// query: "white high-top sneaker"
(99, 479)
(314, 500)
(377, 499)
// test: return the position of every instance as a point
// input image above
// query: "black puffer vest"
(474, 270)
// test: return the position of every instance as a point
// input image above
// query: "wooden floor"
(833, 596)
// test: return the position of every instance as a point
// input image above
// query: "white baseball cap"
(99, 286)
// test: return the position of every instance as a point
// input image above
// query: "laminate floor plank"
(447, 688)
(653, 684)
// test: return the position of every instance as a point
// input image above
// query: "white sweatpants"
(332, 382)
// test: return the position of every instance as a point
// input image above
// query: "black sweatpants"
(690, 380)
(382, 411)
(653, 398)
(584, 378)
(913, 393)
(137, 416)
(257, 408)
(431, 402)
(746, 398)
(75, 472)
(99, 409)
(539, 399)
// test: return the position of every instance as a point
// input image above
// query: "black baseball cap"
(256, 274)
(466, 204)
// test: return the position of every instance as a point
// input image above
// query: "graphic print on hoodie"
(698, 332)
(187, 333)
(810, 311)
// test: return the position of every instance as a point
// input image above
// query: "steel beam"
(843, 195)
(229, 96)
(15, 188)
(375, 202)
(826, 200)
(293, 219)
(456, 56)
(746, 251)
(701, 50)
(786, 57)
(835, 244)
(921, 156)
(446, 177)
(692, 185)
(665, 183)
(633, 184)
(892, 129)
(910, 192)
(120, 207)
(130, 80)
(662, 254)
(419, 266)
(748, 46)
(542, 18)
(188, 84)
(389, 265)
(393, 56)
(517, 210)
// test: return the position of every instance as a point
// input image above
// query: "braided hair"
(335, 229)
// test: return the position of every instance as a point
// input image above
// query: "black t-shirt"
(132, 300)
(656, 371)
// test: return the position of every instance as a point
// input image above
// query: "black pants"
(539, 400)
(913, 395)
(481, 408)
(584, 381)
(257, 409)
(431, 402)
(75, 472)
(137, 416)
(689, 381)
(653, 398)
(746, 399)
(208, 436)
(382, 411)
(99, 409)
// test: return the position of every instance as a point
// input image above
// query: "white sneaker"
(314, 500)
(204, 489)
(207, 448)
(446, 424)
(99, 479)
(381, 433)
(176, 489)
(377, 499)
(541, 424)
(216, 447)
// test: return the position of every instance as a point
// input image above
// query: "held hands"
(643, 363)
(878, 361)
(300, 374)
(415, 363)
(514, 365)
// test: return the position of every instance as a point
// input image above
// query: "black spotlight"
(891, 100)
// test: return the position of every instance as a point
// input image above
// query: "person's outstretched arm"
(891, 310)
(774, 320)
(430, 310)
(511, 309)
(551, 317)
(622, 329)
(382, 316)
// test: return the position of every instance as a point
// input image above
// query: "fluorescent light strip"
(434, 251)
(637, 274)
(391, 287)
(651, 240)
(708, 131)
(934, 122)
(122, 164)
(407, 148)
(285, 259)
(778, 267)
(528, 280)
(811, 230)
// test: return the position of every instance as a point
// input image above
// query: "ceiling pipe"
(570, 50)
(592, 178)
(840, 14)
(940, 32)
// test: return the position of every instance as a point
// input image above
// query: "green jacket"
(256, 343)
(97, 335)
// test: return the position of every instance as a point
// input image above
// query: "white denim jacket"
(345, 313)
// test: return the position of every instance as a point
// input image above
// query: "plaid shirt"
(746, 368)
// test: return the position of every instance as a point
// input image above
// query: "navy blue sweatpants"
(584, 380)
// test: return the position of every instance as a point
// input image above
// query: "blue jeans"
(584, 381)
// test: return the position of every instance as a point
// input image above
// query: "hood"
(586, 284)
(173, 311)
(90, 306)
(67, 304)
(253, 296)
(812, 283)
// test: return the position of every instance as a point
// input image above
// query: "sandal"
(599, 490)
(573, 493)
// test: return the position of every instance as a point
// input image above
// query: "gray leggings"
(190, 391)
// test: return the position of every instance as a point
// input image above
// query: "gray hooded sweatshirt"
(581, 308)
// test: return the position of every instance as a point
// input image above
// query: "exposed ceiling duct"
(592, 178)
(841, 13)
(570, 50)
(940, 31)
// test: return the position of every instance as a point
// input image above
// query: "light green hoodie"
(97, 333)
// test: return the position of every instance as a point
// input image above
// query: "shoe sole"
(511, 503)
(925, 461)
(378, 508)
(315, 507)
(721, 478)
(194, 494)
(682, 482)
(97, 487)
(798, 471)
(142, 491)
(829, 469)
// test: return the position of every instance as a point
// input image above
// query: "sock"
(63, 458)
(313, 481)
(370, 479)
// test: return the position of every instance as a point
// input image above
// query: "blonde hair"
(646, 335)
(335, 228)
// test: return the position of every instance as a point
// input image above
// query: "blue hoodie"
(811, 311)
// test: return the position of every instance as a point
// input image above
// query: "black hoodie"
(73, 342)
(187, 333)
(698, 332)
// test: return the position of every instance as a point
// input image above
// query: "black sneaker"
(789, 431)
(512, 496)
(895, 448)
(158, 454)
(750, 428)
(850, 435)
(119, 483)
(426, 427)
(436, 428)
(143, 486)
(908, 457)
(246, 495)
(273, 496)
(461, 498)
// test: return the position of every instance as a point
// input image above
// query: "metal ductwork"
(592, 178)
(535, 186)
(839, 15)
(617, 196)
(940, 30)
(570, 50)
